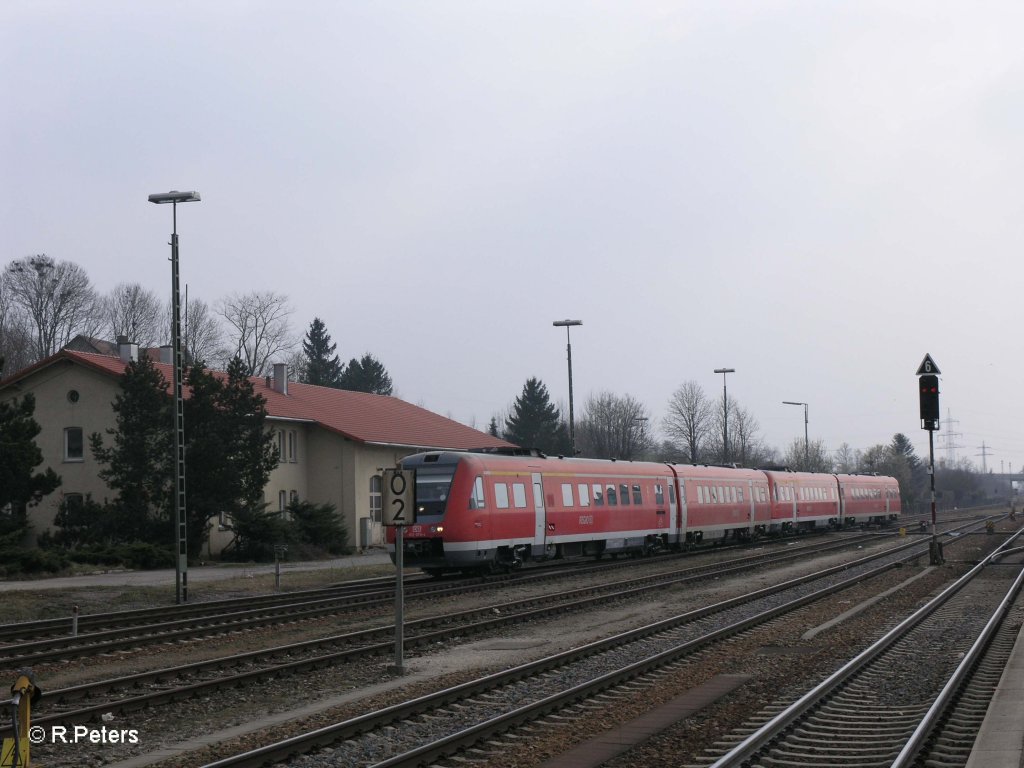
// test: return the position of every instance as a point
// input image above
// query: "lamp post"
(181, 541)
(807, 444)
(725, 412)
(568, 351)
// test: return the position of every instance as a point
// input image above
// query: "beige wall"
(54, 413)
(327, 467)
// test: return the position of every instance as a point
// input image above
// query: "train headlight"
(437, 529)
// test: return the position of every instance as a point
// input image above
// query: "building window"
(282, 501)
(293, 497)
(291, 446)
(281, 455)
(376, 499)
(73, 503)
(74, 447)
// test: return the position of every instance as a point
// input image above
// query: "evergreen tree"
(229, 452)
(535, 422)
(139, 462)
(492, 428)
(322, 366)
(366, 375)
(20, 485)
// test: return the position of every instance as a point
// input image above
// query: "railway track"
(130, 630)
(895, 703)
(431, 728)
(128, 693)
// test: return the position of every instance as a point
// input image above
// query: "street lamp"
(725, 412)
(181, 541)
(568, 351)
(807, 444)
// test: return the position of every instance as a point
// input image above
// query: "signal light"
(929, 390)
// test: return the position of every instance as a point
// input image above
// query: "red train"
(492, 512)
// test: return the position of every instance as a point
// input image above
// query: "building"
(332, 442)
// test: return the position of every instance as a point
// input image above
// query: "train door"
(750, 492)
(540, 526)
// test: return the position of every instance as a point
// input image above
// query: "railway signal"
(928, 390)
(929, 387)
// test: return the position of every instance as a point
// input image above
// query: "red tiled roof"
(365, 418)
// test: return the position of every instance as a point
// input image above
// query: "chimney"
(167, 354)
(281, 378)
(128, 351)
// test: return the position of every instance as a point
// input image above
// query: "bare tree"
(613, 427)
(847, 459)
(202, 335)
(260, 334)
(15, 338)
(743, 429)
(690, 419)
(808, 457)
(132, 311)
(57, 299)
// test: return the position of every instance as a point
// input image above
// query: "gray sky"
(815, 194)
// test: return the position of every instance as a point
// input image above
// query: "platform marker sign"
(399, 496)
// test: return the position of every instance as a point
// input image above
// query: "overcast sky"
(815, 194)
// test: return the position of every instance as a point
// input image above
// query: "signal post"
(928, 389)
(399, 502)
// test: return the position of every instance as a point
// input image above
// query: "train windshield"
(432, 487)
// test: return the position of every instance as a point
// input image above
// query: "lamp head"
(174, 196)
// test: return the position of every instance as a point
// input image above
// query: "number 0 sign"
(399, 496)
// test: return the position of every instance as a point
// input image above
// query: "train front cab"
(430, 542)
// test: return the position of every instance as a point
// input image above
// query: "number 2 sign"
(399, 496)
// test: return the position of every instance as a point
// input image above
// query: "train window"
(598, 495)
(732, 493)
(583, 491)
(638, 497)
(672, 494)
(501, 496)
(476, 498)
(700, 494)
(623, 494)
(659, 493)
(721, 498)
(739, 494)
(611, 497)
(567, 495)
(519, 495)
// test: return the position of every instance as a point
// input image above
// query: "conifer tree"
(229, 452)
(139, 461)
(20, 485)
(366, 375)
(535, 421)
(322, 367)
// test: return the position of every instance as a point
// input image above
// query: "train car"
(721, 503)
(869, 498)
(491, 512)
(803, 500)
